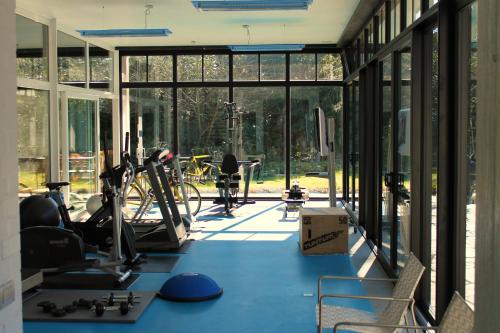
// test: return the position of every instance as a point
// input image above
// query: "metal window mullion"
(287, 124)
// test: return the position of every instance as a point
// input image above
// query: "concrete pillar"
(487, 294)
(10, 258)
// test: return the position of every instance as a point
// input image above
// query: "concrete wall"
(10, 262)
(487, 295)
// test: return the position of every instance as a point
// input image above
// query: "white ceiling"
(323, 23)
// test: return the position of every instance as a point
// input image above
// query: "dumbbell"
(112, 298)
(99, 308)
(50, 307)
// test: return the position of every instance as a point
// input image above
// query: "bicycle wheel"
(194, 197)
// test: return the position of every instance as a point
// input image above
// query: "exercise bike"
(53, 249)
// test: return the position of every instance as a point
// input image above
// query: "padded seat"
(55, 185)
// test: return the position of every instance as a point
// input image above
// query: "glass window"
(32, 139)
(434, 163)
(134, 69)
(305, 153)
(202, 125)
(404, 159)
(151, 120)
(362, 48)
(397, 17)
(245, 67)
(216, 67)
(189, 68)
(369, 46)
(470, 213)
(82, 148)
(32, 49)
(71, 60)
(263, 134)
(105, 130)
(393, 20)
(386, 157)
(303, 67)
(272, 67)
(417, 8)
(101, 68)
(329, 67)
(381, 26)
(160, 68)
(409, 12)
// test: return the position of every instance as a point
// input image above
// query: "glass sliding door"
(305, 154)
(82, 147)
(470, 92)
(386, 158)
(395, 158)
(404, 157)
(263, 134)
(202, 128)
(151, 120)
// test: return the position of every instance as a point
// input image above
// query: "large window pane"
(386, 156)
(134, 69)
(470, 241)
(305, 154)
(189, 68)
(303, 67)
(404, 159)
(105, 130)
(82, 147)
(101, 68)
(329, 67)
(263, 134)
(160, 68)
(151, 121)
(272, 67)
(216, 67)
(202, 125)
(32, 49)
(32, 138)
(246, 67)
(71, 60)
(381, 26)
(434, 164)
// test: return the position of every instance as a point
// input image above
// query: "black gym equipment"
(229, 181)
(170, 233)
(56, 250)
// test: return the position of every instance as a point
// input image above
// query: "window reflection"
(32, 49)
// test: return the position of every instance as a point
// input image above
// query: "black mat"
(182, 250)
(157, 264)
(95, 281)
(31, 312)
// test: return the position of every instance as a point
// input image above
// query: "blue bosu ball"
(190, 287)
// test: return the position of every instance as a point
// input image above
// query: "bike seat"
(56, 185)
(139, 169)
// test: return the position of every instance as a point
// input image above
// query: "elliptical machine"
(53, 249)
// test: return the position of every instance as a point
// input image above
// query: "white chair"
(328, 316)
(458, 318)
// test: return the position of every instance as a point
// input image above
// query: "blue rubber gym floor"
(269, 286)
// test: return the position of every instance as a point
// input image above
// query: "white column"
(10, 259)
(487, 294)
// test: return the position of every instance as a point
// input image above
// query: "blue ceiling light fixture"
(267, 47)
(129, 32)
(125, 33)
(251, 5)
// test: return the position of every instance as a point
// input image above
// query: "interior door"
(395, 158)
(79, 147)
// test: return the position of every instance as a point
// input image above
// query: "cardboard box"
(323, 230)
